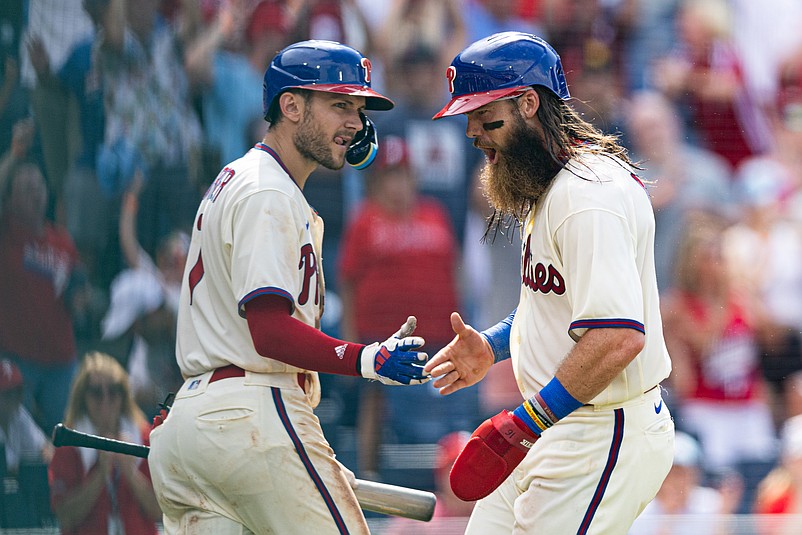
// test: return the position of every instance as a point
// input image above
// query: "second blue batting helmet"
(320, 65)
(499, 66)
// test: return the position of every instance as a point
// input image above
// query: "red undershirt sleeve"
(277, 335)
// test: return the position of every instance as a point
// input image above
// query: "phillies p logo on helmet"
(451, 75)
(368, 67)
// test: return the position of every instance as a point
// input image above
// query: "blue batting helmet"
(499, 66)
(321, 66)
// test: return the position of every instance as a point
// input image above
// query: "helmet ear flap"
(364, 146)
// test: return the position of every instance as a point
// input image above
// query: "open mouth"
(342, 141)
(491, 155)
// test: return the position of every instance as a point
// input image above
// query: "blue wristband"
(559, 401)
(498, 336)
(547, 407)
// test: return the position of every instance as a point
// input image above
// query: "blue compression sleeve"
(498, 336)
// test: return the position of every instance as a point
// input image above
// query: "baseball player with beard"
(242, 450)
(592, 442)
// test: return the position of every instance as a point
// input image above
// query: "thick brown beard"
(524, 171)
(312, 143)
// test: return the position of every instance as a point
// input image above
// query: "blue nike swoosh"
(658, 407)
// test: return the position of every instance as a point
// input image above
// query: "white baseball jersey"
(246, 454)
(587, 262)
(254, 234)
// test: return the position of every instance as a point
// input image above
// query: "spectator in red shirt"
(42, 285)
(710, 333)
(706, 73)
(21, 438)
(401, 246)
(780, 492)
(96, 492)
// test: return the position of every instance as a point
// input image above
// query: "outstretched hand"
(463, 362)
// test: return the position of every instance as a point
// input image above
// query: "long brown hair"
(567, 134)
(101, 364)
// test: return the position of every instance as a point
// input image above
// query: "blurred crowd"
(116, 115)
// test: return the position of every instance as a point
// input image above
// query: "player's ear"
(528, 103)
(291, 105)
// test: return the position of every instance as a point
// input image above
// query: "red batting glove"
(159, 419)
(492, 453)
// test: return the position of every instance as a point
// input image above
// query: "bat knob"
(57, 434)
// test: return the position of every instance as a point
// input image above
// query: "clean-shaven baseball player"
(592, 442)
(241, 450)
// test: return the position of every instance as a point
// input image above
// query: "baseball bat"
(372, 496)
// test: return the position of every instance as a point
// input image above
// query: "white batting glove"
(392, 362)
